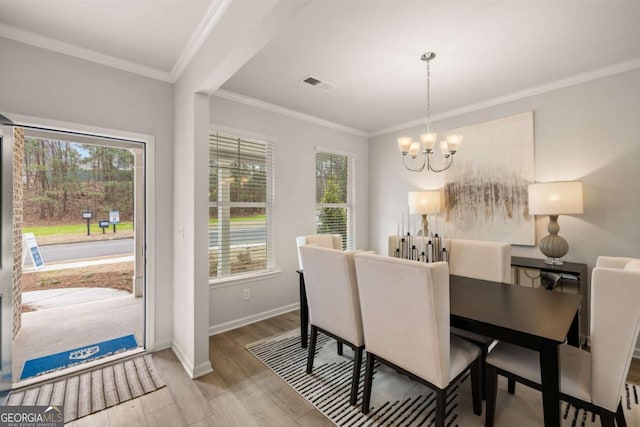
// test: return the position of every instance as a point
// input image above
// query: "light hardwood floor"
(240, 391)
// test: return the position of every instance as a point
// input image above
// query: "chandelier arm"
(419, 169)
(447, 165)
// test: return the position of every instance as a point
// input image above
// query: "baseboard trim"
(238, 323)
(193, 372)
(162, 345)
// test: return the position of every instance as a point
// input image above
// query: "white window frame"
(351, 193)
(269, 205)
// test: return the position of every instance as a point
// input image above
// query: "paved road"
(75, 251)
(241, 235)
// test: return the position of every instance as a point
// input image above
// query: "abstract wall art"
(486, 188)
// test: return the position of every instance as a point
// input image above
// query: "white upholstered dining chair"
(592, 380)
(405, 318)
(480, 259)
(333, 241)
(483, 260)
(334, 305)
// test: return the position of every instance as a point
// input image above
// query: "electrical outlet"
(246, 294)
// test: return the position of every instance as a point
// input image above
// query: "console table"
(575, 269)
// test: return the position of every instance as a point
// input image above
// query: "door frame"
(6, 260)
(148, 243)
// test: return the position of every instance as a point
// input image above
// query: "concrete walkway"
(51, 298)
(78, 264)
(62, 328)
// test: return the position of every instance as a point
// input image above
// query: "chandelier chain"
(428, 96)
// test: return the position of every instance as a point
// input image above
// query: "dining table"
(533, 318)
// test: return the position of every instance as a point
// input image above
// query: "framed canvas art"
(486, 188)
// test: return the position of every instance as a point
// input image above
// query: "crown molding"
(54, 45)
(253, 102)
(216, 9)
(537, 90)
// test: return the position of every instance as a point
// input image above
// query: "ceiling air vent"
(316, 82)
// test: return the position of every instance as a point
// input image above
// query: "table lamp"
(553, 199)
(424, 203)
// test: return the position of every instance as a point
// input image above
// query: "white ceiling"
(145, 32)
(369, 50)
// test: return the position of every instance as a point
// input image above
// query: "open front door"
(6, 255)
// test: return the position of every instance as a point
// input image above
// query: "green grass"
(241, 219)
(48, 230)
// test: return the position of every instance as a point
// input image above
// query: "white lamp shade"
(555, 198)
(404, 143)
(453, 142)
(444, 148)
(428, 140)
(424, 202)
(414, 149)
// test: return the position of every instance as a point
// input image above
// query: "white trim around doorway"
(150, 174)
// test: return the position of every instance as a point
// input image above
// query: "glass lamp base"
(553, 261)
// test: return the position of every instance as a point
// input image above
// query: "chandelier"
(414, 149)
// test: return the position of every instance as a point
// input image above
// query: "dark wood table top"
(497, 308)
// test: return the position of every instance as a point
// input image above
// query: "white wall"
(48, 85)
(588, 132)
(294, 148)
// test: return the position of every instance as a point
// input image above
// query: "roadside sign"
(104, 224)
(32, 246)
(114, 217)
(87, 215)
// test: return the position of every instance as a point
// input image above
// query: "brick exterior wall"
(18, 165)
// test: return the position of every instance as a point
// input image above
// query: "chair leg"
(483, 371)
(511, 386)
(607, 419)
(492, 393)
(620, 421)
(441, 408)
(340, 349)
(476, 384)
(312, 348)
(368, 382)
(355, 380)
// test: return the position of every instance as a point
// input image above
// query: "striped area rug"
(92, 391)
(398, 401)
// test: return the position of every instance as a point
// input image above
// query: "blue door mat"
(53, 362)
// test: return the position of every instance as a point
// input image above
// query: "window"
(240, 206)
(335, 207)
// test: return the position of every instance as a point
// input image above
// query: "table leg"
(573, 337)
(550, 375)
(304, 313)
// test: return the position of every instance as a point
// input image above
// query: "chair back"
(615, 324)
(323, 240)
(480, 259)
(332, 292)
(405, 313)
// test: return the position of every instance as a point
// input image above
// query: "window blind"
(240, 206)
(335, 210)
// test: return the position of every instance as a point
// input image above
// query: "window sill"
(244, 278)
